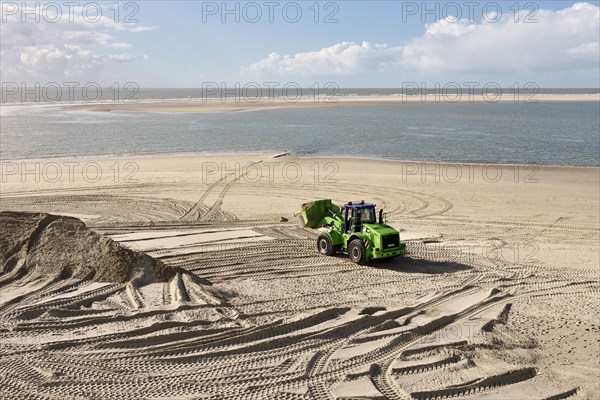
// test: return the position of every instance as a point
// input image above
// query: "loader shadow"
(421, 266)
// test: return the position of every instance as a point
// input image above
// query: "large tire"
(324, 245)
(357, 252)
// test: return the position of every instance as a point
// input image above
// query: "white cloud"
(119, 45)
(561, 41)
(61, 51)
(140, 28)
(49, 63)
(126, 57)
(87, 37)
(345, 58)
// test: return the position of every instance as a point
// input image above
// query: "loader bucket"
(313, 213)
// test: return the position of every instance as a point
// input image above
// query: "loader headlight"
(367, 230)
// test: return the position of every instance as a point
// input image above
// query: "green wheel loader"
(352, 229)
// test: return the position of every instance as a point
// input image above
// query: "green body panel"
(325, 214)
(337, 239)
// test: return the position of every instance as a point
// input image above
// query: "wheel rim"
(355, 253)
(323, 244)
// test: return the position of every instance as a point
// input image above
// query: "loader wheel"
(324, 245)
(357, 252)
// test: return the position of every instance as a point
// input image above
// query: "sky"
(374, 44)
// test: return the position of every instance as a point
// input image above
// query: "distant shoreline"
(277, 156)
(233, 104)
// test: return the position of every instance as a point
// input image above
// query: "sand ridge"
(59, 247)
(241, 104)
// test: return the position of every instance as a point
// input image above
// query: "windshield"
(367, 215)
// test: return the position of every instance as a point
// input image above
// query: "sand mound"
(44, 245)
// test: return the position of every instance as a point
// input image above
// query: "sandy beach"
(233, 103)
(496, 298)
(315, 200)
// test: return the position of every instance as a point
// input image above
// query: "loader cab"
(355, 214)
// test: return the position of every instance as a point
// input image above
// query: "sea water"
(561, 133)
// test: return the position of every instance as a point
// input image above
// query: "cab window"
(367, 215)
